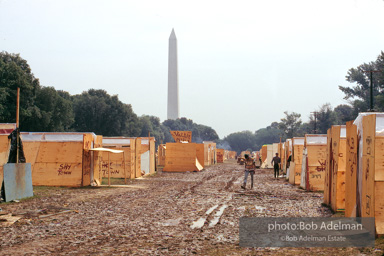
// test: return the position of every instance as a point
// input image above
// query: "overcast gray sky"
(241, 63)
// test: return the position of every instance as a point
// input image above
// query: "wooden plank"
(138, 158)
(379, 207)
(180, 157)
(351, 170)
(368, 180)
(264, 152)
(116, 164)
(220, 155)
(379, 158)
(328, 176)
(87, 145)
(31, 150)
(298, 157)
(335, 131)
(152, 151)
(292, 173)
(57, 174)
(340, 197)
(132, 158)
(200, 153)
(54, 152)
(316, 179)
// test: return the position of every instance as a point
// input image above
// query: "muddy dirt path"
(165, 214)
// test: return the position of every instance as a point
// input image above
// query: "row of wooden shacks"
(347, 164)
(183, 157)
(83, 159)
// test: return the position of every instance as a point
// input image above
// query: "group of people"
(250, 167)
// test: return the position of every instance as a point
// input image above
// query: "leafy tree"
(268, 135)
(200, 132)
(344, 113)
(15, 72)
(41, 108)
(361, 90)
(325, 118)
(152, 125)
(97, 111)
(240, 141)
(290, 125)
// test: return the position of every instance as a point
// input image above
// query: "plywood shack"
(139, 154)
(264, 153)
(268, 149)
(370, 168)
(313, 163)
(181, 157)
(351, 170)
(231, 155)
(297, 156)
(220, 155)
(209, 153)
(161, 155)
(147, 154)
(59, 159)
(334, 184)
(287, 153)
(116, 161)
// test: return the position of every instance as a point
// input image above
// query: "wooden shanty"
(287, 152)
(220, 155)
(365, 168)
(297, 156)
(209, 153)
(228, 155)
(62, 159)
(313, 163)
(264, 153)
(268, 151)
(139, 157)
(334, 182)
(161, 155)
(183, 157)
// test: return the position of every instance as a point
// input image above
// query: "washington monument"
(173, 79)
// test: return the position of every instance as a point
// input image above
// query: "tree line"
(45, 109)
(321, 119)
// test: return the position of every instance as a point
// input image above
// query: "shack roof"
(54, 136)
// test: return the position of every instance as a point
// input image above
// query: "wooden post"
(100, 158)
(125, 172)
(17, 124)
(109, 170)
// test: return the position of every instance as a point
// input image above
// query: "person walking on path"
(276, 165)
(249, 169)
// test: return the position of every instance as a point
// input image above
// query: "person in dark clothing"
(276, 165)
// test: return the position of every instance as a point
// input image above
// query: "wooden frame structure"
(365, 171)
(334, 182)
(139, 156)
(220, 155)
(313, 163)
(183, 157)
(209, 153)
(60, 159)
(296, 162)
